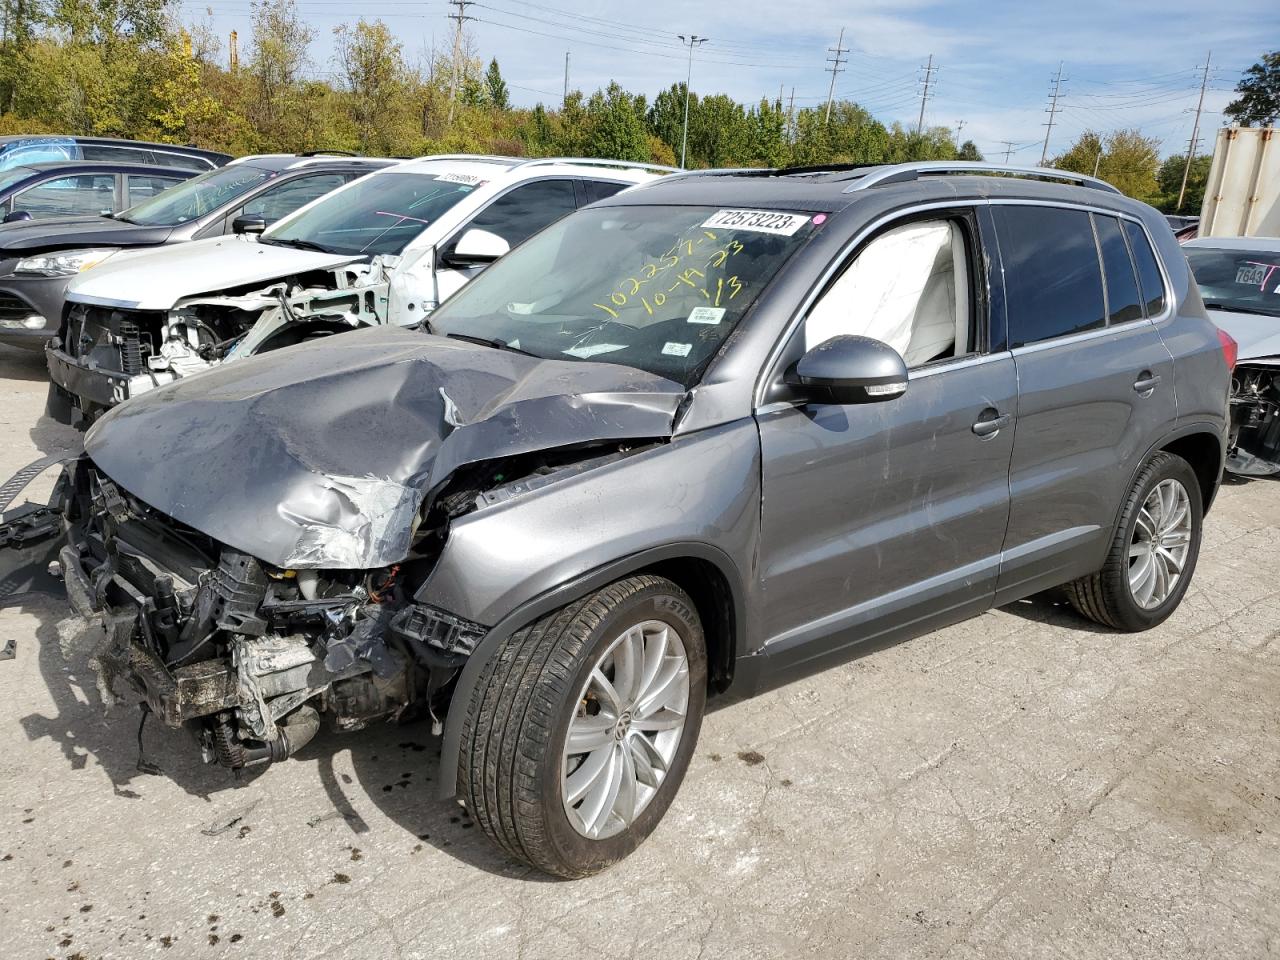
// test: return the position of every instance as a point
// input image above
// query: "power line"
(924, 94)
(837, 65)
(1195, 135)
(1052, 111)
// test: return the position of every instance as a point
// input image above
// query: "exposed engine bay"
(1254, 444)
(252, 658)
(139, 350)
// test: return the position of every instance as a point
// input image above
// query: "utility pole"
(791, 117)
(1008, 149)
(1052, 111)
(1195, 135)
(924, 95)
(566, 80)
(693, 40)
(459, 19)
(233, 59)
(837, 66)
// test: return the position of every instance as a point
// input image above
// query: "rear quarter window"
(1149, 277)
(1124, 303)
(1052, 277)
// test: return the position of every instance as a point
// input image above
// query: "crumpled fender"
(320, 456)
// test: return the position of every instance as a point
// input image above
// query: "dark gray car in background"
(706, 436)
(39, 258)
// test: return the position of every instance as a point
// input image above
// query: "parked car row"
(706, 435)
(384, 249)
(40, 257)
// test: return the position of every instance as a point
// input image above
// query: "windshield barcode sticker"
(757, 221)
(677, 349)
(709, 315)
(470, 179)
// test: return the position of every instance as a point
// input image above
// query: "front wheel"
(1153, 555)
(580, 729)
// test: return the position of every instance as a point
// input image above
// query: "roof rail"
(597, 162)
(484, 158)
(903, 172)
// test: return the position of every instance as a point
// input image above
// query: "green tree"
(665, 117)
(499, 98)
(1083, 156)
(968, 151)
(1258, 103)
(615, 126)
(278, 58)
(1125, 159)
(19, 22)
(767, 144)
(1169, 177)
(372, 64)
(719, 135)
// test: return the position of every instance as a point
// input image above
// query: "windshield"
(658, 288)
(194, 198)
(377, 214)
(1241, 280)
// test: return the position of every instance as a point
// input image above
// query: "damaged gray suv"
(706, 436)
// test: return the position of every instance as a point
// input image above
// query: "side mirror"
(17, 216)
(850, 369)
(476, 248)
(248, 224)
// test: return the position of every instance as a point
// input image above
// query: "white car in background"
(1239, 281)
(385, 249)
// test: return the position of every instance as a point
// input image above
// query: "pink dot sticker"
(820, 219)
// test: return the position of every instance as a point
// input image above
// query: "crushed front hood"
(157, 279)
(319, 456)
(1258, 337)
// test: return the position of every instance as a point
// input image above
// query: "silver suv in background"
(706, 436)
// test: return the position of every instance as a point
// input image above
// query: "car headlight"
(64, 263)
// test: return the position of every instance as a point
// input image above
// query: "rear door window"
(282, 199)
(114, 154)
(1149, 277)
(69, 196)
(1124, 303)
(599, 189)
(142, 187)
(1052, 277)
(519, 214)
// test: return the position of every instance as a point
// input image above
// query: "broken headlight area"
(250, 658)
(1254, 445)
(138, 350)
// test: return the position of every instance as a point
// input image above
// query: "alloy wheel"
(1161, 544)
(627, 724)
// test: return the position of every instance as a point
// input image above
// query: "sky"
(1125, 63)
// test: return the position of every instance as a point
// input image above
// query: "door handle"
(990, 423)
(1146, 383)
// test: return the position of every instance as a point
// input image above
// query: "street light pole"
(692, 40)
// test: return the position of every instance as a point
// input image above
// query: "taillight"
(1230, 349)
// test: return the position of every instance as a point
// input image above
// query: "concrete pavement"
(1019, 786)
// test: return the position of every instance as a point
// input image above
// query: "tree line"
(128, 68)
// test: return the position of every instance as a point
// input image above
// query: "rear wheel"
(580, 730)
(1153, 556)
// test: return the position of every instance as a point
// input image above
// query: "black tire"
(509, 766)
(1105, 596)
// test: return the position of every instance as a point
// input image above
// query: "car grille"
(14, 308)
